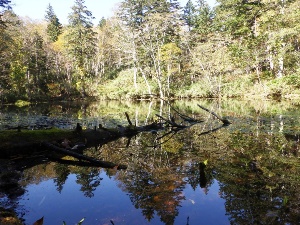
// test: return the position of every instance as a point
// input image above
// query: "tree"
(189, 14)
(152, 25)
(170, 56)
(102, 22)
(54, 26)
(4, 4)
(203, 19)
(240, 21)
(9, 39)
(280, 27)
(80, 40)
(263, 34)
(111, 49)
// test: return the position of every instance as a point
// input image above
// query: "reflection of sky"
(202, 208)
(110, 203)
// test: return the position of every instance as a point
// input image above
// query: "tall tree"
(240, 21)
(9, 39)
(81, 44)
(54, 26)
(189, 14)
(263, 34)
(203, 20)
(282, 34)
(153, 24)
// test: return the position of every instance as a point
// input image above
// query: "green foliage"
(189, 14)
(54, 27)
(196, 90)
(17, 75)
(234, 87)
(21, 103)
(122, 88)
(8, 136)
(102, 22)
(80, 44)
(198, 52)
(203, 21)
(293, 79)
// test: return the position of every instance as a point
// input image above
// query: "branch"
(225, 121)
(93, 161)
(172, 123)
(128, 119)
(182, 116)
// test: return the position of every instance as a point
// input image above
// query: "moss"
(21, 103)
(9, 137)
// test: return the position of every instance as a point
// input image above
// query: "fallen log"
(64, 141)
(27, 142)
(76, 155)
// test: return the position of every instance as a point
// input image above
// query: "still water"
(245, 173)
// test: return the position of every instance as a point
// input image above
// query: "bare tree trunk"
(146, 81)
(135, 70)
(280, 69)
(149, 112)
(168, 79)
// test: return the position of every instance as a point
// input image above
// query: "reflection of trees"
(260, 184)
(199, 174)
(258, 175)
(153, 185)
(158, 175)
(62, 172)
(89, 179)
(159, 189)
(258, 172)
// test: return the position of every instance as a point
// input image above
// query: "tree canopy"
(235, 49)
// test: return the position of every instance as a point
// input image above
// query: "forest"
(237, 49)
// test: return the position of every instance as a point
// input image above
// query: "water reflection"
(247, 173)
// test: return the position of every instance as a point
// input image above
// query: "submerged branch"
(225, 121)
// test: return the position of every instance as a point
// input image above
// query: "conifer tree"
(54, 26)
(203, 19)
(81, 43)
(189, 14)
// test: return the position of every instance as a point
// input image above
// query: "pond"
(244, 173)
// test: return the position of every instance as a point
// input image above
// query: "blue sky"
(35, 9)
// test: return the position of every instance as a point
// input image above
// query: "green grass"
(9, 137)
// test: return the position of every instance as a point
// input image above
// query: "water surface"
(245, 173)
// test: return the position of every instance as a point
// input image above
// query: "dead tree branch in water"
(171, 122)
(93, 161)
(225, 121)
(79, 139)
